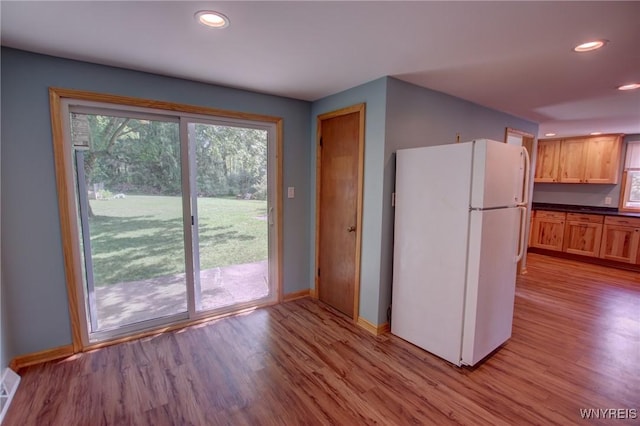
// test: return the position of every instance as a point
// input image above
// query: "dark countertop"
(607, 211)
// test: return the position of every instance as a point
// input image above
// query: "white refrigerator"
(459, 218)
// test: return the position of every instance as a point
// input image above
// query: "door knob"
(351, 229)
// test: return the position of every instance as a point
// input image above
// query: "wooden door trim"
(360, 109)
(66, 204)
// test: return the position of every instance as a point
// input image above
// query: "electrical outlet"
(291, 192)
(607, 200)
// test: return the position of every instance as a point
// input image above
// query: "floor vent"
(8, 387)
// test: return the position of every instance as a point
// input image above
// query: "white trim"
(118, 110)
(272, 230)
(632, 157)
(188, 209)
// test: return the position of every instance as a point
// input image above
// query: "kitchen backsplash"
(576, 194)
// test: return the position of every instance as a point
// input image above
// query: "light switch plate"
(291, 192)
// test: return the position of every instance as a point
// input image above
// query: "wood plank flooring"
(575, 344)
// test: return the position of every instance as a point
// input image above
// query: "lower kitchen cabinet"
(582, 234)
(547, 231)
(620, 239)
(609, 240)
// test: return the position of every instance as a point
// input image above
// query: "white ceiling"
(511, 56)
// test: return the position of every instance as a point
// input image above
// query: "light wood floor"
(575, 344)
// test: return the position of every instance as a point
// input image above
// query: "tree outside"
(134, 182)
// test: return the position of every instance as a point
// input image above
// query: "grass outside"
(141, 237)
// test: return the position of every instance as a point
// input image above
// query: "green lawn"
(140, 237)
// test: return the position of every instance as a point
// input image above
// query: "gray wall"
(401, 115)
(581, 194)
(4, 336)
(373, 94)
(3, 333)
(419, 117)
(34, 290)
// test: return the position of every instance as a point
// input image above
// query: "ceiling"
(515, 57)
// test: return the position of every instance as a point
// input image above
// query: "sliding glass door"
(230, 202)
(129, 192)
(175, 216)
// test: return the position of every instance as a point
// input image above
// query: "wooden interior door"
(339, 205)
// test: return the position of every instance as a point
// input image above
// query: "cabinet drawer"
(622, 221)
(545, 214)
(586, 218)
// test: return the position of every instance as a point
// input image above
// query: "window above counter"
(630, 191)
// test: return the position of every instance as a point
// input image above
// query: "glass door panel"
(129, 193)
(231, 218)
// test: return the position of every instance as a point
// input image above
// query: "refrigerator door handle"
(523, 220)
(527, 172)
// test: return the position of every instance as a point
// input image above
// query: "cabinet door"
(620, 243)
(603, 159)
(582, 234)
(572, 160)
(548, 230)
(547, 158)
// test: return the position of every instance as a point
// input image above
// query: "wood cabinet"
(548, 230)
(547, 161)
(582, 234)
(620, 239)
(572, 160)
(602, 163)
(588, 159)
(609, 240)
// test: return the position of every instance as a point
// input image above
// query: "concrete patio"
(130, 302)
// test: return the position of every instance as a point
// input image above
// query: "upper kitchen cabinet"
(573, 156)
(587, 159)
(547, 161)
(602, 164)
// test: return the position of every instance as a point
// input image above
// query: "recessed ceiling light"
(212, 19)
(630, 86)
(595, 133)
(590, 45)
(549, 134)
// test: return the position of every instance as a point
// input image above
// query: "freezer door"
(491, 277)
(498, 174)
